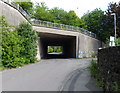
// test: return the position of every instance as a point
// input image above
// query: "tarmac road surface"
(50, 75)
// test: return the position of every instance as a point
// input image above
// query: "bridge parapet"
(62, 26)
(49, 24)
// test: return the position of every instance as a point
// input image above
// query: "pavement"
(50, 75)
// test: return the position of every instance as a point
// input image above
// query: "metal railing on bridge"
(62, 26)
(16, 6)
(49, 24)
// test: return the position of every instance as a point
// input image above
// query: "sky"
(79, 6)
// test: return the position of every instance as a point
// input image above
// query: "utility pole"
(114, 23)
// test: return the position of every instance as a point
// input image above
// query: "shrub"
(29, 45)
(117, 41)
(94, 68)
(18, 45)
(116, 86)
(10, 46)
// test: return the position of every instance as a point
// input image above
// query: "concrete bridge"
(76, 42)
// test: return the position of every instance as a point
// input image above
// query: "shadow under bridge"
(67, 44)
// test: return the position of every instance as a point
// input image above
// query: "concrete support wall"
(88, 46)
(13, 16)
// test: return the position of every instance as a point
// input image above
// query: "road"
(50, 75)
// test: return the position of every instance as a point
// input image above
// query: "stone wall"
(109, 66)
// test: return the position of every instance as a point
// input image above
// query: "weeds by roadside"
(95, 72)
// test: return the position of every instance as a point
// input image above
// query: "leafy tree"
(59, 14)
(94, 21)
(10, 46)
(29, 46)
(41, 12)
(82, 24)
(55, 49)
(113, 8)
(27, 6)
(72, 18)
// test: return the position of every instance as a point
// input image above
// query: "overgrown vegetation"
(55, 49)
(94, 68)
(28, 37)
(18, 45)
(0, 43)
(117, 42)
(95, 72)
(27, 5)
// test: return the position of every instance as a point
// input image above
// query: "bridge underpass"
(67, 42)
(76, 42)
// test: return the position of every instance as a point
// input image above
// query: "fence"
(49, 24)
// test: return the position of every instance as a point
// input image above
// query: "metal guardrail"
(15, 5)
(50, 24)
(62, 26)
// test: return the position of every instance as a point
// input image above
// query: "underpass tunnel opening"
(58, 50)
(66, 46)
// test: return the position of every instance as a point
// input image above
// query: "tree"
(95, 22)
(27, 6)
(29, 45)
(59, 14)
(82, 24)
(72, 18)
(41, 12)
(113, 8)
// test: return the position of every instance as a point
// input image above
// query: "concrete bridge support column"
(38, 50)
(77, 46)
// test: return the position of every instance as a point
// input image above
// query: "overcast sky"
(79, 6)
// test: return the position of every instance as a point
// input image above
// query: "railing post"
(18, 6)
(90, 33)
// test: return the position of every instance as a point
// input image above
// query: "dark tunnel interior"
(67, 42)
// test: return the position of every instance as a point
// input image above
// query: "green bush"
(117, 41)
(94, 68)
(116, 86)
(29, 45)
(18, 45)
(10, 46)
(50, 50)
